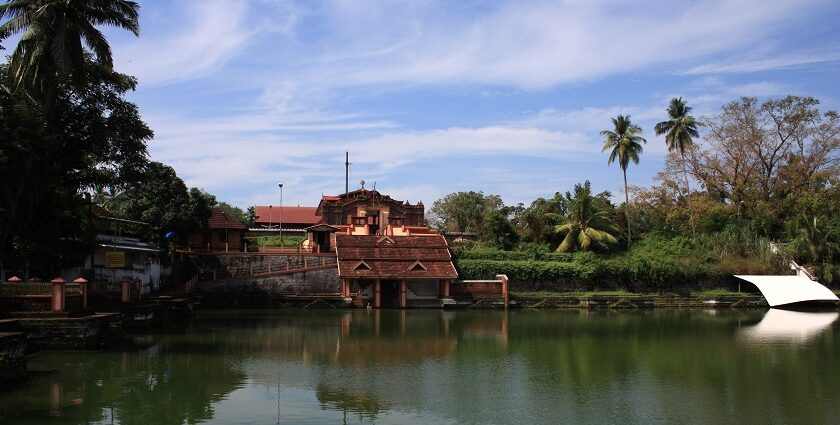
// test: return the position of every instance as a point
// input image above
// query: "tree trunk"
(627, 209)
(688, 201)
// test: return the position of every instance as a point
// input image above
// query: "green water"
(466, 367)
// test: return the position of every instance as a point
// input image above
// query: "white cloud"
(534, 44)
(770, 61)
(199, 37)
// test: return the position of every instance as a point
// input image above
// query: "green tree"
(57, 35)
(540, 218)
(96, 139)
(680, 130)
(251, 216)
(588, 225)
(235, 212)
(498, 231)
(161, 199)
(463, 211)
(624, 144)
(815, 241)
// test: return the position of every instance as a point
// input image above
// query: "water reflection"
(447, 367)
(365, 406)
(791, 326)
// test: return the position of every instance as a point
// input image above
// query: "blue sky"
(432, 97)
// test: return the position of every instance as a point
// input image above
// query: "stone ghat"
(63, 332)
(12, 359)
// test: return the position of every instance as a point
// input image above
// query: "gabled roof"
(360, 195)
(403, 257)
(291, 215)
(321, 227)
(221, 220)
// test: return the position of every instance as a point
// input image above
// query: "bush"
(657, 262)
(290, 240)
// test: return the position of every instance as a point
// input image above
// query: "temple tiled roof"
(295, 215)
(396, 257)
(220, 220)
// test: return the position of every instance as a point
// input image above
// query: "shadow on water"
(360, 366)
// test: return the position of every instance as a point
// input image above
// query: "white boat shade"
(781, 290)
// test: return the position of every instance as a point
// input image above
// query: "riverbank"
(622, 299)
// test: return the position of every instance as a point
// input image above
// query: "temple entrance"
(323, 241)
(373, 221)
(390, 293)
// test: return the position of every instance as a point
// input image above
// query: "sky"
(433, 97)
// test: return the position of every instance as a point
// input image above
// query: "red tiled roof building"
(294, 219)
(223, 233)
(394, 271)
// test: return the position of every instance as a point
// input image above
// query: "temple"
(386, 255)
(361, 249)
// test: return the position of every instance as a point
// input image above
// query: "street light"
(280, 185)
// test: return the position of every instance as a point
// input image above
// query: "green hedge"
(496, 254)
(619, 271)
(657, 262)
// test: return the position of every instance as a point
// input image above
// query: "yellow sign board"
(115, 260)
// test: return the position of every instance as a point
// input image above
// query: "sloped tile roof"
(291, 215)
(394, 257)
(220, 220)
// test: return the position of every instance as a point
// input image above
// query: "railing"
(286, 250)
(190, 284)
(293, 263)
(37, 288)
(26, 288)
(801, 271)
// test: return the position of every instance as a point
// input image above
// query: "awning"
(781, 290)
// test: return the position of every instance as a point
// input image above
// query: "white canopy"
(781, 290)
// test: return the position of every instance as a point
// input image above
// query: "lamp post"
(280, 185)
(226, 230)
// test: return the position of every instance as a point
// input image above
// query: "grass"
(549, 294)
(717, 291)
(622, 293)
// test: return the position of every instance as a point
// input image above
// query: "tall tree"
(58, 35)
(97, 139)
(625, 144)
(680, 130)
(588, 225)
(463, 211)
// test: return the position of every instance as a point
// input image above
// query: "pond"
(464, 367)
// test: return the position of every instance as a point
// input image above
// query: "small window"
(362, 265)
(385, 239)
(417, 266)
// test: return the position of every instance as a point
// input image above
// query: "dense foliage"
(733, 182)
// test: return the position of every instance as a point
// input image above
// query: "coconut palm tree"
(587, 226)
(59, 35)
(680, 130)
(624, 144)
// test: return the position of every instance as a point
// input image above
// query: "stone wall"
(86, 332)
(324, 281)
(476, 288)
(37, 303)
(226, 266)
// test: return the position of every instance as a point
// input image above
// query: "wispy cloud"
(196, 39)
(774, 62)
